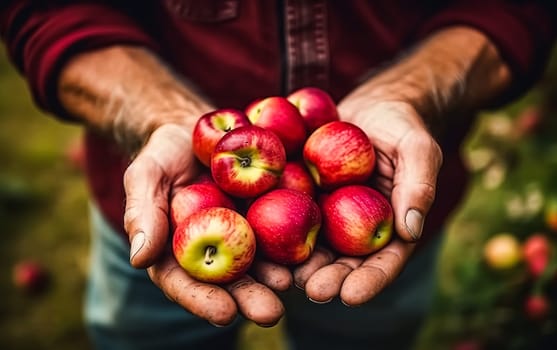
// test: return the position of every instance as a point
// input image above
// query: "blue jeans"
(124, 310)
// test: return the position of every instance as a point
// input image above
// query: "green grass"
(43, 216)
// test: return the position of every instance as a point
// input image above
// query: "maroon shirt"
(235, 51)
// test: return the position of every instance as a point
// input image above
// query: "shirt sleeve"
(40, 37)
(523, 32)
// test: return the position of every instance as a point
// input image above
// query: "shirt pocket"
(207, 11)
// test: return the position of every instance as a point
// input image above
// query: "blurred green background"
(511, 154)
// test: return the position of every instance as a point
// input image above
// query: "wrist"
(130, 97)
(454, 70)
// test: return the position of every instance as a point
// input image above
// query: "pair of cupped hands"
(408, 161)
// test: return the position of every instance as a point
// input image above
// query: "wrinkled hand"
(408, 160)
(164, 164)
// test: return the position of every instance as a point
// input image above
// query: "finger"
(147, 188)
(326, 282)
(375, 273)
(274, 276)
(146, 212)
(207, 301)
(384, 165)
(319, 258)
(383, 185)
(256, 302)
(418, 162)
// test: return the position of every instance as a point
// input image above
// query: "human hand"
(408, 161)
(163, 165)
(139, 99)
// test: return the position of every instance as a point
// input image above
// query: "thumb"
(418, 162)
(162, 162)
(146, 213)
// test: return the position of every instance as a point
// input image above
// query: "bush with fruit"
(497, 276)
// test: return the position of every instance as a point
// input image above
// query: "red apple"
(550, 213)
(536, 307)
(467, 344)
(536, 250)
(339, 153)
(502, 251)
(296, 177)
(75, 154)
(214, 245)
(195, 197)
(357, 220)
(537, 265)
(30, 276)
(277, 114)
(528, 122)
(253, 103)
(315, 105)
(211, 127)
(286, 223)
(204, 177)
(248, 161)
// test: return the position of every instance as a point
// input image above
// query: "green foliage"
(43, 219)
(512, 157)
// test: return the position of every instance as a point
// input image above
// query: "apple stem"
(209, 252)
(245, 162)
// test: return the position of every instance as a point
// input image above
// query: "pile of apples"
(276, 176)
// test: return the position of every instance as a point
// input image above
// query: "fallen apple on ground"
(30, 276)
(215, 245)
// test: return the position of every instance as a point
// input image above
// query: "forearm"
(454, 70)
(126, 92)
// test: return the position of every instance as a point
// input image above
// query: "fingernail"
(346, 304)
(217, 325)
(267, 325)
(168, 296)
(319, 301)
(137, 243)
(414, 223)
